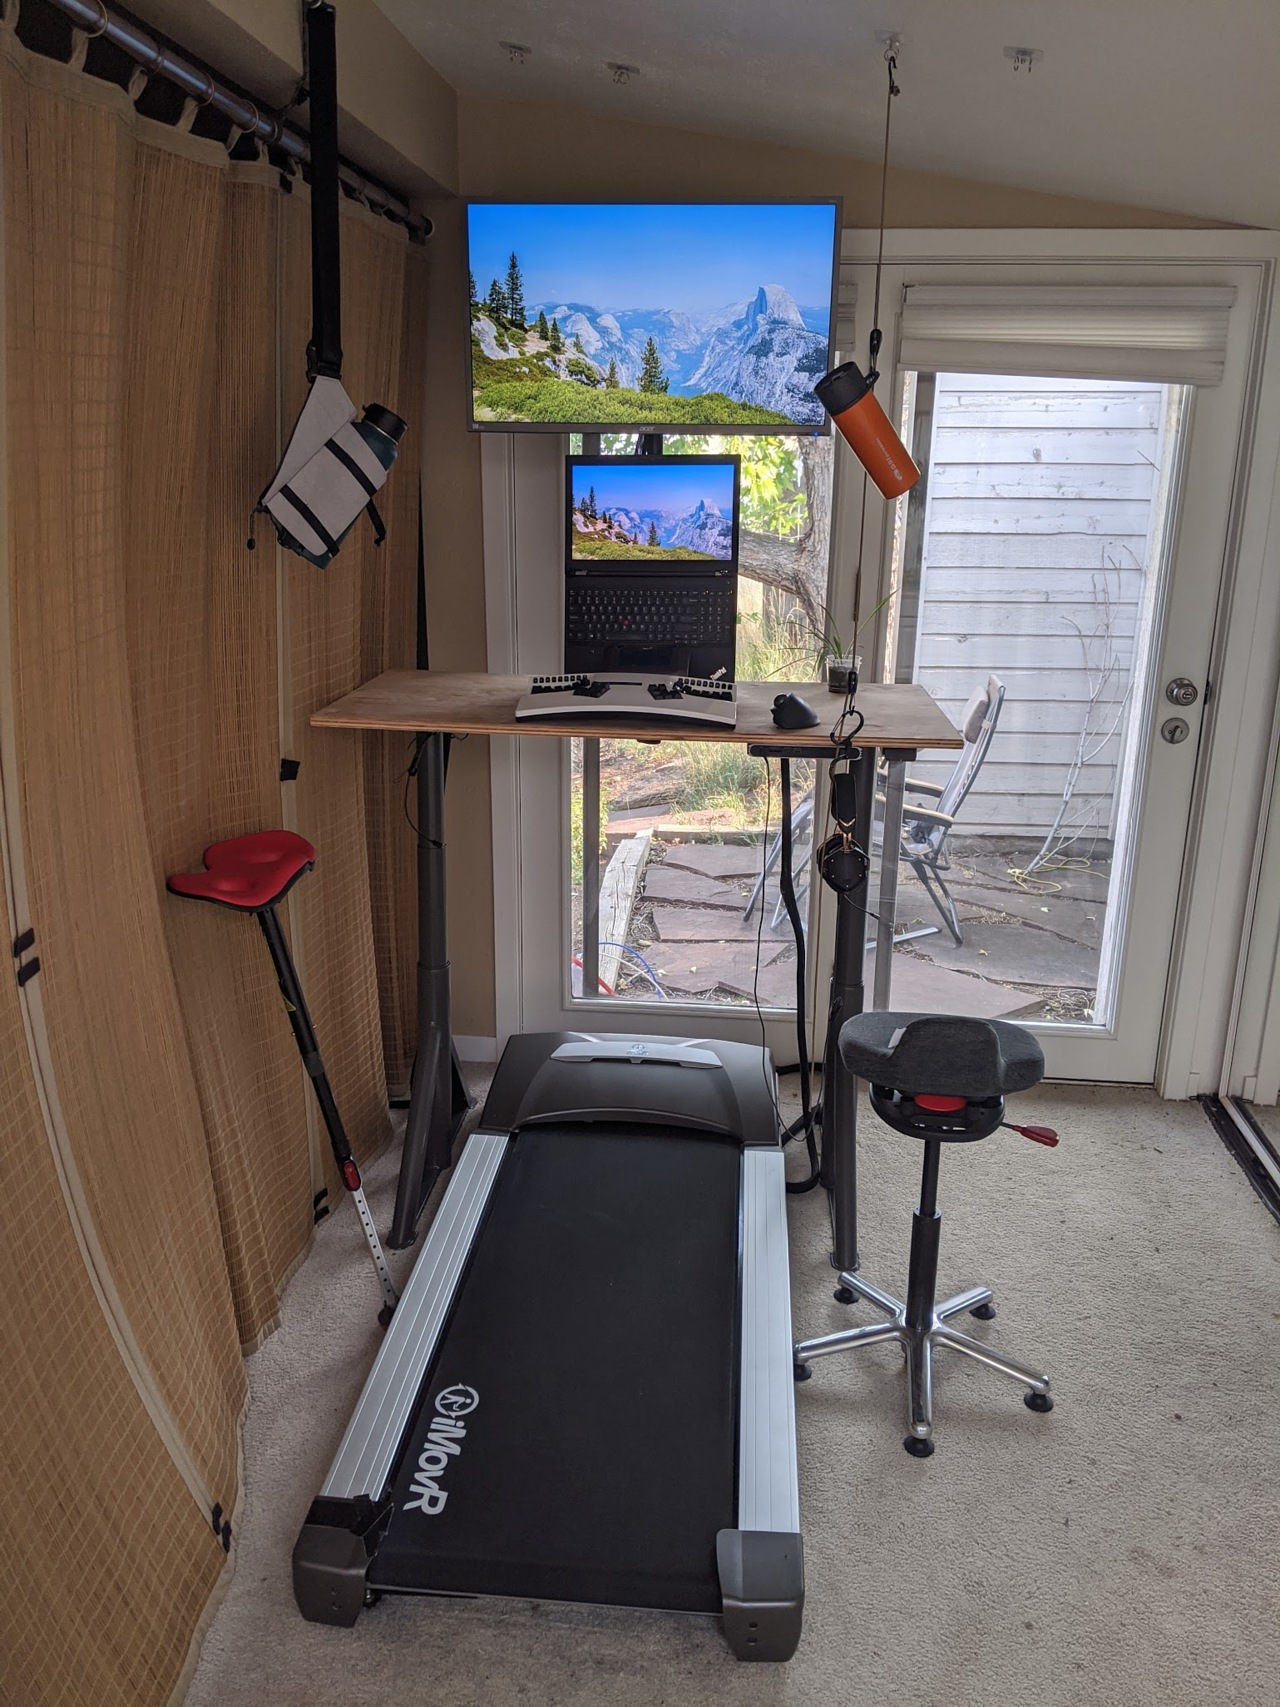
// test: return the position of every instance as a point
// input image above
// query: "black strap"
(352, 467)
(310, 517)
(379, 530)
(324, 353)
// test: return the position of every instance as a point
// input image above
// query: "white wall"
(1036, 565)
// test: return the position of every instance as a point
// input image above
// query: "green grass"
(557, 400)
(720, 776)
(487, 370)
(583, 546)
(767, 655)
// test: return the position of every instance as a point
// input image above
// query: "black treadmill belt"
(576, 1436)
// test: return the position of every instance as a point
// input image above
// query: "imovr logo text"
(443, 1442)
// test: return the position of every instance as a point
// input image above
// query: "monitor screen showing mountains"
(644, 316)
(660, 509)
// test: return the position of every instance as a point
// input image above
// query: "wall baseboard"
(476, 1048)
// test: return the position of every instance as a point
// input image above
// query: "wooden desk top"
(473, 703)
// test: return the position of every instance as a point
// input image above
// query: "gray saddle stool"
(942, 1080)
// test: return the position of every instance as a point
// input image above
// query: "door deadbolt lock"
(1182, 691)
(1175, 730)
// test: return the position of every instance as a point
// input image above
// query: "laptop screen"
(652, 513)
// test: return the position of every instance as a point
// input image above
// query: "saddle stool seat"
(942, 1080)
(247, 872)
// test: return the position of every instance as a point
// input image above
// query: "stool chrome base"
(919, 1344)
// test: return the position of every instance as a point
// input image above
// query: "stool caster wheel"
(918, 1448)
(984, 1312)
(1038, 1401)
(801, 1371)
(843, 1295)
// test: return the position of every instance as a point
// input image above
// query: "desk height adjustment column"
(438, 1098)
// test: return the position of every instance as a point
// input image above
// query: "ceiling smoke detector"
(516, 53)
(1024, 57)
(622, 73)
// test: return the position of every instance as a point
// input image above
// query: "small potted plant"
(839, 663)
(842, 671)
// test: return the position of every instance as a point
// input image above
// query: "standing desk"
(434, 705)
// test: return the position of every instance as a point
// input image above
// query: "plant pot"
(842, 674)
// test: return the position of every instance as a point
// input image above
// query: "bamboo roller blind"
(152, 675)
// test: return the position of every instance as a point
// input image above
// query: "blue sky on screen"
(685, 257)
(667, 486)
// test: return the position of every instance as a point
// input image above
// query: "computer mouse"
(792, 712)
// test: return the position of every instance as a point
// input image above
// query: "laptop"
(651, 565)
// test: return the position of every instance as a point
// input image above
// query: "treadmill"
(586, 1391)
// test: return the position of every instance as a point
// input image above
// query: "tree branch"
(787, 564)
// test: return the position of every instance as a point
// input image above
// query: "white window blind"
(1173, 333)
(846, 308)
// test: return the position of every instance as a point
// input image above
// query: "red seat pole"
(309, 1049)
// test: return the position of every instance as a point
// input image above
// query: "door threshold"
(1249, 1144)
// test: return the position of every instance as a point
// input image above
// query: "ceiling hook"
(892, 43)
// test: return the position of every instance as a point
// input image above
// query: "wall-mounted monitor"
(652, 512)
(649, 317)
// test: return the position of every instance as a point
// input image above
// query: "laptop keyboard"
(655, 616)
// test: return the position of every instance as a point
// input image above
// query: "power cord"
(787, 890)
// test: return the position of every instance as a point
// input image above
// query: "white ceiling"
(1171, 104)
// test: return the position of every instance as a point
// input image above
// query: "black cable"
(420, 747)
(876, 337)
(770, 1084)
(787, 890)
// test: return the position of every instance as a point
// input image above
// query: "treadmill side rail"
(762, 1585)
(761, 1563)
(363, 1462)
(768, 1482)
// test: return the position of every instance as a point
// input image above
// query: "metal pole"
(590, 867)
(887, 906)
(853, 801)
(309, 1049)
(96, 19)
(428, 1138)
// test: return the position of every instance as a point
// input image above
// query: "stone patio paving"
(1030, 949)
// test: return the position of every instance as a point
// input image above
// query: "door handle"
(1182, 691)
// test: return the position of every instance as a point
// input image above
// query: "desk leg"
(438, 1097)
(888, 903)
(839, 1086)
(590, 869)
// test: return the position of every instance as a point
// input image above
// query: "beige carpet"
(1120, 1551)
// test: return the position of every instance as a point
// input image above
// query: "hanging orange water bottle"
(846, 394)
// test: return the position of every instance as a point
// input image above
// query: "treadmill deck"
(575, 1435)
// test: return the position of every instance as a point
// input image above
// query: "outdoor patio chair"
(923, 841)
(925, 829)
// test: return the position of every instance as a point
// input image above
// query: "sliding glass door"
(1033, 587)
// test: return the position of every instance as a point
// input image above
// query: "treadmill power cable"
(787, 891)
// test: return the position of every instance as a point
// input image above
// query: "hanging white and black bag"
(333, 467)
(334, 464)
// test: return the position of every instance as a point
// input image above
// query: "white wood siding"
(1039, 523)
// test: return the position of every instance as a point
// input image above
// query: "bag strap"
(324, 352)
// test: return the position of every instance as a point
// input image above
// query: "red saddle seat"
(247, 872)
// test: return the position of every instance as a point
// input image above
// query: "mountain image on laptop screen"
(667, 511)
(647, 316)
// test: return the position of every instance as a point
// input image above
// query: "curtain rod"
(95, 19)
